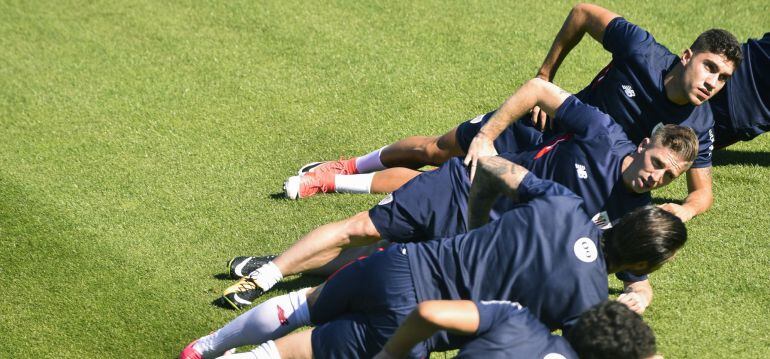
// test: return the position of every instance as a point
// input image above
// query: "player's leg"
(270, 320)
(293, 346)
(312, 251)
(313, 183)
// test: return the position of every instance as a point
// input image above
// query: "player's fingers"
(543, 119)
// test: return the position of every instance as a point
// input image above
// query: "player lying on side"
(557, 271)
(645, 85)
(502, 329)
(596, 161)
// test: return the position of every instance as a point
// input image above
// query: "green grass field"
(142, 144)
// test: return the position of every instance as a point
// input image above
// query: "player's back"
(544, 254)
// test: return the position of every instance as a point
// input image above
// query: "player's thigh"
(296, 345)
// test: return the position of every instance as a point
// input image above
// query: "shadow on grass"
(728, 157)
(661, 200)
(278, 196)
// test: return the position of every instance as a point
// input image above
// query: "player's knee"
(361, 225)
(441, 149)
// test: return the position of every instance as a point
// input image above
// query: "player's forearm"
(461, 317)
(582, 19)
(535, 92)
(494, 176)
(700, 196)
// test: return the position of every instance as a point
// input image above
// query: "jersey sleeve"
(628, 277)
(532, 187)
(506, 330)
(623, 38)
(492, 313)
(705, 148)
(579, 118)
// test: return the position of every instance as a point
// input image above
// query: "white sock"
(270, 320)
(267, 350)
(266, 276)
(370, 162)
(353, 183)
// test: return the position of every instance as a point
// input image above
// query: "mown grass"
(142, 144)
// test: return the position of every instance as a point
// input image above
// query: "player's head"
(706, 66)
(643, 240)
(660, 159)
(611, 330)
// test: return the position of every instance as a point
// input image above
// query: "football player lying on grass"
(545, 253)
(595, 160)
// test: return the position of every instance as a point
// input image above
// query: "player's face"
(653, 166)
(705, 73)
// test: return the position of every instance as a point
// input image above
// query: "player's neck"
(624, 165)
(672, 86)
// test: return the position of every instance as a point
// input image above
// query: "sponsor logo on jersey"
(477, 119)
(602, 220)
(386, 200)
(628, 90)
(581, 171)
(513, 304)
(282, 316)
(585, 250)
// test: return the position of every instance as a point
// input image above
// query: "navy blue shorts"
(362, 305)
(433, 204)
(519, 136)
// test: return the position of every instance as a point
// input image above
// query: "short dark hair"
(680, 139)
(648, 234)
(720, 42)
(611, 330)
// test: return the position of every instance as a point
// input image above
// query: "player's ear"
(686, 56)
(643, 145)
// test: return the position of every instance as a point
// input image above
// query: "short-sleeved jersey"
(587, 160)
(508, 330)
(543, 253)
(631, 89)
(742, 108)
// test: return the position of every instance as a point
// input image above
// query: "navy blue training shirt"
(508, 330)
(742, 108)
(544, 254)
(631, 89)
(587, 160)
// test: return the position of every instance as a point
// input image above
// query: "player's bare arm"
(455, 316)
(584, 18)
(496, 176)
(535, 92)
(700, 195)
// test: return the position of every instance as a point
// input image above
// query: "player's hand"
(678, 210)
(481, 146)
(634, 301)
(540, 119)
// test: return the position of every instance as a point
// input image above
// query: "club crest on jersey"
(282, 316)
(386, 200)
(581, 171)
(628, 90)
(585, 250)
